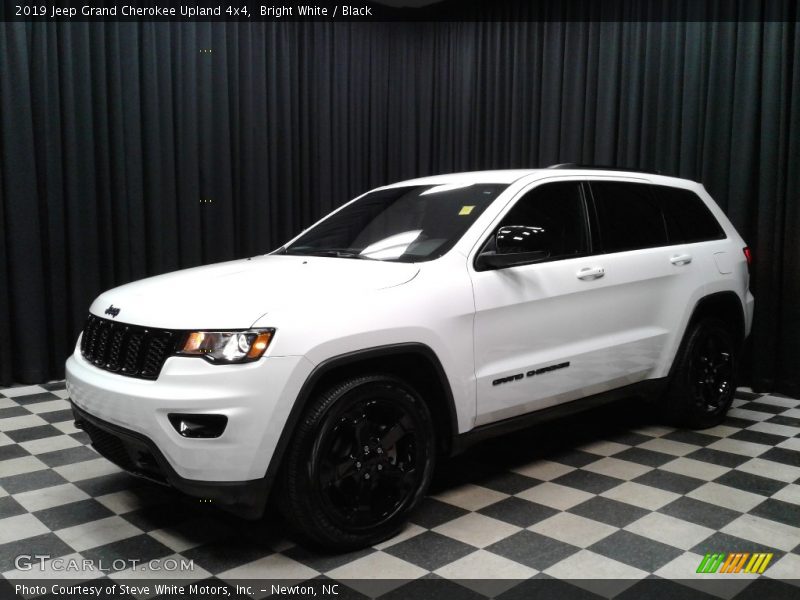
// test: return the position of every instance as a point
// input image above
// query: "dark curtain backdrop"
(135, 149)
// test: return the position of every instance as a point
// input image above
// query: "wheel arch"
(726, 306)
(414, 362)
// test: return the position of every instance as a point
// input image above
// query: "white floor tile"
(544, 470)
(470, 497)
(50, 444)
(694, 468)
(614, 467)
(726, 497)
(22, 422)
(490, 568)
(57, 495)
(87, 469)
(18, 466)
(640, 495)
(791, 493)
(668, 447)
(555, 495)
(771, 469)
(669, 530)
(477, 530)
(764, 531)
(573, 529)
(739, 447)
(97, 533)
(20, 527)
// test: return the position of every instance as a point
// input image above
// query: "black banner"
(396, 10)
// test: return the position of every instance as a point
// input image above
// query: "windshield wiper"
(337, 252)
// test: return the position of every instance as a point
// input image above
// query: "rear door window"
(629, 216)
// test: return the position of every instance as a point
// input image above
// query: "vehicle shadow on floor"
(559, 439)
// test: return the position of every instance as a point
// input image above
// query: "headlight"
(228, 346)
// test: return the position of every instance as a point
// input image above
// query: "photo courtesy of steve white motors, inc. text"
(190, 11)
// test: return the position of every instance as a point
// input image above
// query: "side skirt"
(650, 388)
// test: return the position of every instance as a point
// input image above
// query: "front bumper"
(256, 399)
(138, 455)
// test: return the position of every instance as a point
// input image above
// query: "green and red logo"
(734, 562)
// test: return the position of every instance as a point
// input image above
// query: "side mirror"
(516, 245)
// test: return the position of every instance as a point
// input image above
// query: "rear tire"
(703, 380)
(360, 460)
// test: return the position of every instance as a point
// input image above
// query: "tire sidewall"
(303, 491)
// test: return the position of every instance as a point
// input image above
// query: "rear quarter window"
(687, 217)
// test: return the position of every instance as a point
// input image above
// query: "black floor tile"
(33, 433)
(432, 513)
(573, 458)
(430, 550)
(548, 588)
(46, 544)
(757, 437)
(10, 507)
(12, 451)
(517, 511)
(702, 513)
(611, 512)
(432, 589)
(533, 550)
(642, 456)
(764, 408)
(663, 589)
(26, 399)
(13, 411)
(694, 438)
(142, 548)
(325, 561)
(784, 420)
(74, 513)
(16, 484)
(226, 554)
(587, 481)
(723, 542)
(58, 416)
(67, 456)
(717, 457)
(750, 483)
(671, 482)
(507, 482)
(782, 455)
(780, 511)
(636, 551)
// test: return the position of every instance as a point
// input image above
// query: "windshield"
(402, 224)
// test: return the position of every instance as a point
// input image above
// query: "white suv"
(413, 321)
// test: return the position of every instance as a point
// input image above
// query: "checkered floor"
(607, 494)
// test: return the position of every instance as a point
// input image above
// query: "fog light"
(199, 426)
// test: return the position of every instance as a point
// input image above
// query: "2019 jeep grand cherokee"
(412, 321)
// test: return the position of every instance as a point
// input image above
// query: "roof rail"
(601, 168)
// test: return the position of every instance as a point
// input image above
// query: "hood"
(233, 295)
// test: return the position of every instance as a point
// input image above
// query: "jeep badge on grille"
(112, 310)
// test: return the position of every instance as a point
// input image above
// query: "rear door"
(592, 317)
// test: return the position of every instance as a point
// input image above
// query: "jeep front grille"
(125, 349)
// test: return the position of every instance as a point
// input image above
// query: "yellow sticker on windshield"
(465, 210)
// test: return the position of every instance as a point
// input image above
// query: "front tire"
(361, 459)
(703, 381)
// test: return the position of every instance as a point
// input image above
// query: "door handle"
(681, 259)
(589, 273)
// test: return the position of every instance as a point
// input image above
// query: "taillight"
(748, 254)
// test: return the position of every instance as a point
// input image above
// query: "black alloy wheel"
(360, 461)
(703, 380)
(711, 370)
